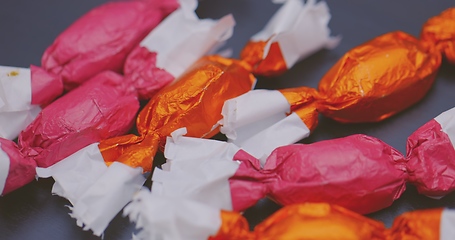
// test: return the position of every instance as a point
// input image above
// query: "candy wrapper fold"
(98, 41)
(194, 100)
(260, 121)
(438, 30)
(66, 173)
(370, 83)
(66, 125)
(16, 109)
(296, 31)
(160, 221)
(99, 204)
(97, 192)
(303, 221)
(214, 175)
(176, 43)
(4, 168)
(105, 36)
(339, 171)
(183, 104)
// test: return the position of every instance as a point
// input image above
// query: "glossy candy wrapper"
(439, 30)
(98, 41)
(196, 36)
(358, 172)
(67, 125)
(173, 218)
(193, 100)
(106, 106)
(183, 104)
(371, 82)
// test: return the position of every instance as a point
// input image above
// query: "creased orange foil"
(381, 77)
(371, 82)
(439, 30)
(305, 221)
(194, 102)
(271, 65)
(420, 224)
(320, 221)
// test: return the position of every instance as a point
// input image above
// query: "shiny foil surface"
(418, 224)
(271, 65)
(382, 76)
(305, 221)
(371, 82)
(358, 172)
(194, 101)
(321, 221)
(439, 30)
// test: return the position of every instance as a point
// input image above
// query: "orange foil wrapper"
(379, 78)
(421, 224)
(194, 101)
(273, 64)
(439, 30)
(318, 221)
(174, 217)
(371, 82)
(325, 221)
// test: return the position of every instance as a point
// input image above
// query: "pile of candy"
(72, 116)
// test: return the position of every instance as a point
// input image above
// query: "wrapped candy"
(438, 30)
(194, 100)
(423, 224)
(103, 107)
(98, 41)
(173, 218)
(102, 38)
(23, 92)
(358, 172)
(371, 82)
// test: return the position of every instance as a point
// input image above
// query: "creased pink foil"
(102, 38)
(103, 107)
(358, 172)
(138, 70)
(45, 86)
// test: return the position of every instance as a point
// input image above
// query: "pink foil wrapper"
(103, 107)
(102, 38)
(21, 170)
(45, 86)
(138, 70)
(358, 172)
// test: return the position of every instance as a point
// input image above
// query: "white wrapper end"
(246, 110)
(76, 173)
(97, 192)
(447, 122)
(197, 169)
(165, 218)
(300, 30)
(447, 225)
(182, 38)
(4, 169)
(16, 109)
(287, 131)
(257, 121)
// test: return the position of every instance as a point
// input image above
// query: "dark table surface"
(28, 27)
